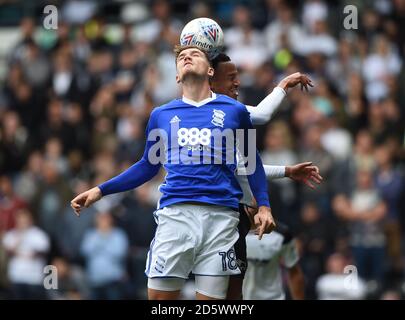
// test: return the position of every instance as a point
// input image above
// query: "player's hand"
(304, 172)
(264, 221)
(296, 78)
(85, 199)
(251, 211)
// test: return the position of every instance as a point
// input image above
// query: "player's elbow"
(260, 119)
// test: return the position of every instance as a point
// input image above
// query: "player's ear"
(210, 72)
(177, 78)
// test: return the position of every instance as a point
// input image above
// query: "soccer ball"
(204, 33)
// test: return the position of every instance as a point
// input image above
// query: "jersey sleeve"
(241, 176)
(265, 109)
(138, 173)
(257, 179)
(274, 172)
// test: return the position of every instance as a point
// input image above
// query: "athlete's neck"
(196, 90)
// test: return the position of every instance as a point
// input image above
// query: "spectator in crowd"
(365, 212)
(29, 178)
(390, 184)
(266, 259)
(245, 44)
(71, 231)
(284, 26)
(27, 247)
(162, 23)
(14, 142)
(316, 241)
(313, 149)
(36, 68)
(341, 281)
(10, 204)
(105, 250)
(51, 196)
(380, 63)
(27, 28)
(279, 151)
(71, 280)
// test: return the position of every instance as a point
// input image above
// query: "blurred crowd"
(75, 101)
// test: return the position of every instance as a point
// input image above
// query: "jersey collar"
(200, 103)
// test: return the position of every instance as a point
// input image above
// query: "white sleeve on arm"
(241, 176)
(265, 109)
(274, 172)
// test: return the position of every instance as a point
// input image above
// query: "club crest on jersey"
(218, 118)
(211, 32)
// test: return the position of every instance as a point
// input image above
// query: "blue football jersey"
(196, 144)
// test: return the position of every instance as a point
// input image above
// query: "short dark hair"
(222, 57)
(179, 48)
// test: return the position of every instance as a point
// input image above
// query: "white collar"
(199, 103)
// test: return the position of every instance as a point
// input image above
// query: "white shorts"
(194, 238)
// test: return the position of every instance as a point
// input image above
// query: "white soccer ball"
(204, 33)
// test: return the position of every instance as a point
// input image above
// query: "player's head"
(226, 77)
(192, 62)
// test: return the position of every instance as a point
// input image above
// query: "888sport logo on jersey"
(194, 138)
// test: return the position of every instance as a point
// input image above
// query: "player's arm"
(295, 275)
(296, 282)
(265, 109)
(257, 181)
(131, 178)
(289, 258)
(302, 172)
(263, 220)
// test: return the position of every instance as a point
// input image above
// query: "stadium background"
(74, 103)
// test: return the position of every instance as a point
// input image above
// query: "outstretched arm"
(265, 109)
(302, 172)
(131, 178)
